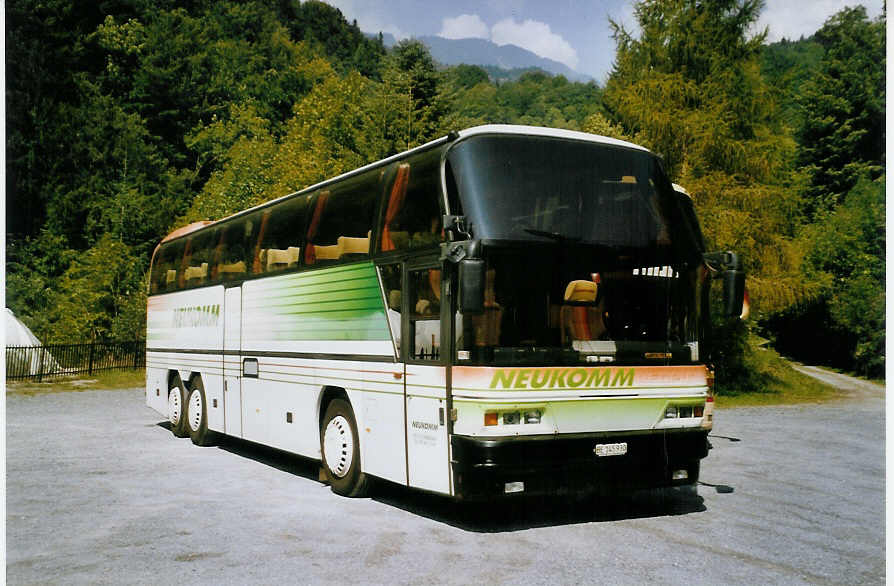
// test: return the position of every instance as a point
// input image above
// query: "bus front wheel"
(340, 446)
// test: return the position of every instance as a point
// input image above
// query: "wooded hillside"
(128, 118)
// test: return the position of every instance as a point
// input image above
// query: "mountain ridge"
(482, 52)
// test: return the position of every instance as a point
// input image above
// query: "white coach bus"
(505, 310)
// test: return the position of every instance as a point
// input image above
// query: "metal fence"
(40, 362)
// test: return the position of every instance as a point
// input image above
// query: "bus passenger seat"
(401, 240)
(279, 259)
(331, 252)
(581, 315)
(353, 247)
(233, 269)
(394, 299)
(197, 274)
(171, 277)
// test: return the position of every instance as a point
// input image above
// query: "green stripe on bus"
(338, 304)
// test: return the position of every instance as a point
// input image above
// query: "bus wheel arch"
(177, 398)
(340, 446)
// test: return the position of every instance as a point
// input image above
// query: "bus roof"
(486, 129)
(546, 132)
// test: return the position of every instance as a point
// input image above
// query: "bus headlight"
(533, 416)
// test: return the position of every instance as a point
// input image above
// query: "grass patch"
(771, 381)
(100, 381)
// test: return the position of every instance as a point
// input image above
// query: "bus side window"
(232, 256)
(413, 217)
(202, 248)
(340, 226)
(167, 268)
(156, 276)
(425, 314)
(281, 245)
(391, 288)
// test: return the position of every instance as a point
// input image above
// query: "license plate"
(610, 449)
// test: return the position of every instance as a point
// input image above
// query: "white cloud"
(464, 26)
(537, 37)
(789, 19)
(368, 17)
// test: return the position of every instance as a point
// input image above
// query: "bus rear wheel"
(197, 415)
(340, 446)
(177, 409)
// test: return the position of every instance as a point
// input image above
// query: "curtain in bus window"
(320, 205)
(395, 203)
(256, 257)
(413, 218)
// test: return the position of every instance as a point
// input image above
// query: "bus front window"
(581, 305)
(590, 257)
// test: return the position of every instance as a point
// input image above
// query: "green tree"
(842, 135)
(848, 256)
(99, 295)
(689, 87)
(324, 26)
(412, 80)
(787, 66)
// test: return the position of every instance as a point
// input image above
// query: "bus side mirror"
(729, 265)
(733, 292)
(471, 286)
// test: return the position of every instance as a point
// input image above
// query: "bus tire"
(177, 409)
(197, 415)
(340, 446)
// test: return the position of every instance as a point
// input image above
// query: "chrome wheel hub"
(175, 408)
(338, 446)
(195, 410)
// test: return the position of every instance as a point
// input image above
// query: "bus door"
(426, 379)
(232, 361)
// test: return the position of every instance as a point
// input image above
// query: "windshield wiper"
(552, 235)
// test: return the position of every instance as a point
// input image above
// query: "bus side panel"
(279, 406)
(379, 410)
(333, 322)
(214, 397)
(184, 333)
(187, 320)
(427, 452)
(156, 387)
(232, 362)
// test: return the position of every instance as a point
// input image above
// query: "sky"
(573, 32)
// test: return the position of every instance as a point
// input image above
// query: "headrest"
(394, 299)
(581, 291)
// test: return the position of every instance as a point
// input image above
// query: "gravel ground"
(99, 491)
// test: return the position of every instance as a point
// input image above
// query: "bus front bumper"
(492, 467)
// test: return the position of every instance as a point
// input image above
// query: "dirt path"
(854, 387)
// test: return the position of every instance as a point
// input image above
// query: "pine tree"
(842, 135)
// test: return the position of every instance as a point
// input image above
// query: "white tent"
(17, 333)
(22, 361)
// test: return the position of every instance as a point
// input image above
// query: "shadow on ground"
(512, 514)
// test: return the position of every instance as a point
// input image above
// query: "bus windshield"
(538, 188)
(589, 254)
